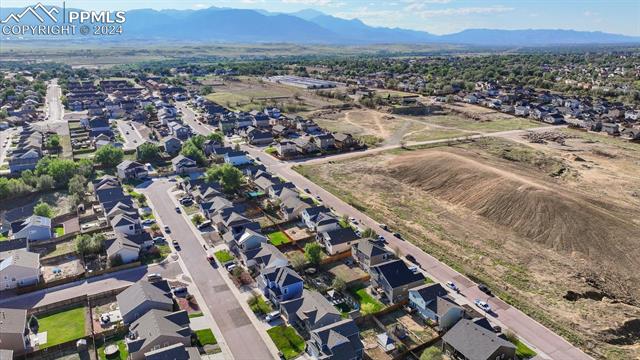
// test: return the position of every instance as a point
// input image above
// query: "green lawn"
(523, 350)
(258, 305)
(287, 341)
(63, 326)
(278, 238)
(148, 216)
(205, 337)
(3, 237)
(364, 298)
(150, 258)
(123, 354)
(195, 315)
(223, 256)
(59, 230)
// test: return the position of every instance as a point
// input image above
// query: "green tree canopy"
(313, 252)
(60, 169)
(229, 177)
(109, 156)
(43, 209)
(148, 152)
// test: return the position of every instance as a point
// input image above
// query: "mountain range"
(313, 27)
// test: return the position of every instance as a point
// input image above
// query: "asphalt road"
(91, 286)
(236, 327)
(53, 104)
(545, 341)
(189, 117)
(128, 130)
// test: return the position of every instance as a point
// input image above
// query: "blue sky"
(435, 16)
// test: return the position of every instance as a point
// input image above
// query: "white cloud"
(465, 11)
(200, 6)
(309, 2)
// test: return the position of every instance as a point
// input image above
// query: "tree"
(339, 284)
(193, 152)
(53, 142)
(109, 156)
(87, 244)
(148, 152)
(85, 168)
(367, 308)
(43, 209)
(83, 243)
(60, 169)
(431, 353)
(313, 253)
(45, 182)
(155, 228)
(197, 219)
(216, 136)
(369, 233)
(206, 90)
(227, 175)
(78, 188)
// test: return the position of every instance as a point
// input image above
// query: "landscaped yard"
(205, 337)
(258, 305)
(59, 230)
(523, 350)
(3, 237)
(278, 238)
(223, 256)
(63, 326)
(123, 354)
(61, 248)
(287, 341)
(154, 256)
(195, 315)
(367, 303)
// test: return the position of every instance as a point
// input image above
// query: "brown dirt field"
(555, 246)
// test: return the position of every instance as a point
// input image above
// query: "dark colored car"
(484, 289)
(412, 259)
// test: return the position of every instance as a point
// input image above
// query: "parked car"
(154, 277)
(482, 305)
(167, 229)
(178, 209)
(230, 267)
(412, 259)
(180, 290)
(398, 235)
(453, 286)
(383, 226)
(307, 191)
(484, 289)
(148, 222)
(159, 239)
(272, 316)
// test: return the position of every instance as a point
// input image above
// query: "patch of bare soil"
(556, 218)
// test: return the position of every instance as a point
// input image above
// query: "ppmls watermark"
(60, 21)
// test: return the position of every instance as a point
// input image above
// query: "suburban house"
(250, 239)
(183, 165)
(142, 297)
(14, 328)
(369, 252)
(25, 160)
(324, 141)
(264, 257)
(344, 141)
(280, 284)
(292, 205)
(467, 340)
(286, 148)
(236, 158)
(555, 118)
(19, 268)
(394, 279)
(129, 170)
(155, 330)
(172, 145)
(174, 352)
(432, 303)
(126, 224)
(309, 311)
(33, 228)
(337, 241)
(260, 138)
(340, 340)
(124, 249)
(319, 219)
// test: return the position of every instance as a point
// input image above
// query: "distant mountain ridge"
(309, 26)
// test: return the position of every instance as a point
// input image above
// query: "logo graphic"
(34, 11)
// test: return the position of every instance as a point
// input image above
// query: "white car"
(482, 305)
(272, 316)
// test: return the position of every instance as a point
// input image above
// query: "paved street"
(189, 118)
(55, 110)
(95, 285)
(236, 327)
(130, 133)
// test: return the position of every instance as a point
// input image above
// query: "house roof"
(141, 292)
(22, 258)
(370, 247)
(121, 243)
(172, 352)
(315, 211)
(33, 220)
(14, 321)
(182, 161)
(267, 255)
(287, 276)
(339, 340)
(339, 236)
(474, 341)
(430, 292)
(442, 304)
(341, 136)
(397, 273)
(158, 323)
(311, 307)
(128, 164)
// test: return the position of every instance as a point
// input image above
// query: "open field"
(252, 93)
(553, 229)
(391, 129)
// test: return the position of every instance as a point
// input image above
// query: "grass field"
(287, 341)
(364, 298)
(498, 124)
(205, 337)
(63, 326)
(278, 238)
(258, 305)
(223, 256)
(123, 354)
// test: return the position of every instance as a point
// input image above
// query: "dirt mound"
(542, 213)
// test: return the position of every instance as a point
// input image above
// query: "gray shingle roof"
(474, 341)
(143, 291)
